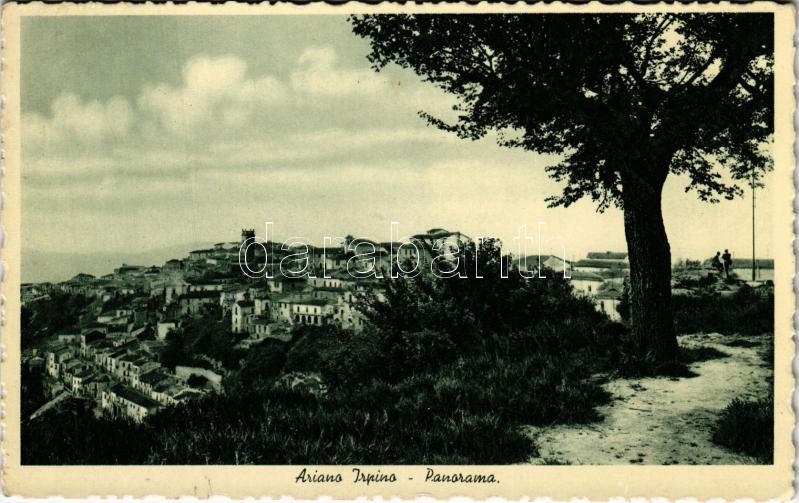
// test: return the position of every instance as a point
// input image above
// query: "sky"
(143, 133)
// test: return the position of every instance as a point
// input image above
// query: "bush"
(747, 427)
(744, 312)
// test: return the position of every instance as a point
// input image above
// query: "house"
(310, 311)
(68, 370)
(167, 391)
(193, 302)
(81, 378)
(90, 348)
(173, 265)
(601, 266)
(608, 298)
(131, 366)
(587, 283)
(148, 383)
(242, 311)
(611, 266)
(552, 262)
(175, 288)
(95, 385)
(121, 400)
(57, 356)
(259, 327)
(200, 255)
(110, 359)
(229, 296)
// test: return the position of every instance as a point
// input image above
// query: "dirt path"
(664, 420)
(49, 405)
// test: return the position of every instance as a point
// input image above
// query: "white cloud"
(73, 120)
(215, 93)
(318, 74)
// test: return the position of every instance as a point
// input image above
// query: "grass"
(554, 461)
(747, 427)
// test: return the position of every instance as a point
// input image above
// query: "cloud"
(220, 117)
(73, 120)
(318, 74)
(215, 93)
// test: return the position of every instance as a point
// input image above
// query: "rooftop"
(134, 396)
(608, 255)
(602, 263)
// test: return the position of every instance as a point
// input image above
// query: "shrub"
(744, 312)
(747, 427)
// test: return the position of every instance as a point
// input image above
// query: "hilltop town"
(114, 354)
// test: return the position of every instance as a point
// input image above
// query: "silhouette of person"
(727, 258)
(716, 263)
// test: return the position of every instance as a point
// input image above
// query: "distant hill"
(38, 266)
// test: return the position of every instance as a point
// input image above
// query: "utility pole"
(754, 262)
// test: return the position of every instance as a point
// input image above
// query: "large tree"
(624, 100)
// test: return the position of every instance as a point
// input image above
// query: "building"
(56, 357)
(122, 401)
(311, 311)
(80, 379)
(243, 310)
(764, 269)
(552, 262)
(193, 302)
(611, 266)
(608, 298)
(173, 265)
(587, 283)
(200, 255)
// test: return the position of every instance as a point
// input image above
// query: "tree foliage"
(622, 98)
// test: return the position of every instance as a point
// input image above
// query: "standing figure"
(727, 258)
(716, 263)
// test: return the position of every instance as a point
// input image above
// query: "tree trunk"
(652, 321)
